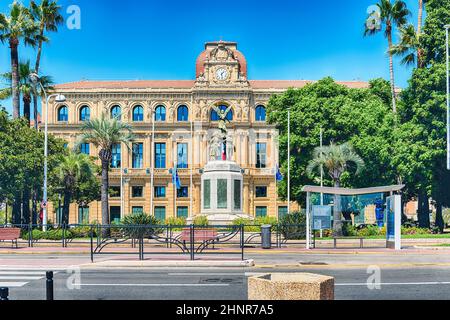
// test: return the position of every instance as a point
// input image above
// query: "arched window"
(215, 116)
(116, 112)
(182, 113)
(85, 113)
(63, 114)
(260, 113)
(160, 113)
(138, 114)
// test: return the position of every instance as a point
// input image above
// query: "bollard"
(49, 283)
(4, 293)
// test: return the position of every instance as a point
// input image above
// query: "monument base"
(223, 219)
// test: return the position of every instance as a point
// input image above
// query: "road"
(431, 283)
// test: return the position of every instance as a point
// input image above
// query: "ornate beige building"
(173, 122)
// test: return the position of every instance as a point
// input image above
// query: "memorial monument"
(222, 178)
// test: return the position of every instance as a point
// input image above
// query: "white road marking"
(12, 284)
(152, 285)
(20, 278)
(244, 274)
(394, 284)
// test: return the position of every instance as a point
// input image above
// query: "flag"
(224, 151)
(278, 174)
(175, 178)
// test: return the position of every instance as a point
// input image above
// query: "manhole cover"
(221, 280)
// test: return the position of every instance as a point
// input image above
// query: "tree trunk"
(16, 212)
(66, 206)
(337, 215)
(439, 218)
(36, 69)
(26, 206)
(419, 32)
(391, 73)
(26, 108)
(14, 43)
(105, 156)
(34, 213)
(424, 210)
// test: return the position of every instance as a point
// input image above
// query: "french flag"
(224, 151)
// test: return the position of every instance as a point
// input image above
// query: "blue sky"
(160, 39)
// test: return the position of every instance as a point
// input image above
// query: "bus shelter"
(378, 206)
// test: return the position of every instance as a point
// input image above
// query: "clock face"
(221, 74)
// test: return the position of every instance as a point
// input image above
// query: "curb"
(168, 264)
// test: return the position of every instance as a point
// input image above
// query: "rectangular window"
(115, 214)
(261, 155)
(83, 215)
(137, 210)
(137, 192)
(282, 212)
(138, 155)
(222, 190)
(261, 212)
(160, 155)
(183, 192)
(207, 194)
(261, 192)
(182, 156)
(116, 158)
(182, 212)
(160, 192)
(114, 192)
(85, 148)
(160, 214)
(237, 194)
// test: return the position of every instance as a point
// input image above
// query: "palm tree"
(408, 46)
(336, 159)
(70, 170)
(25, 86)
(47, 16)
(13, 28)
(391, 15)
(103, 133)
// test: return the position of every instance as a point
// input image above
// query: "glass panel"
(222, 194)
(116, 112)
(115, 214)
(85, 148)
(282, 212)
(137, 192)
(182, 212)
(261, 192)
(261, 152)
(114, 192)
(183, 192)
(182, 156)
(215, 116)
(115, 161)
(160, 214)
(138, 114)
(138, 153)
(160, 113)
(183, 113)
(160, 192)
(261, 211)
(85, 114)
(260, 113)
(83, 215)
(207, 194)
(160, 155)
(237, 194)
(63, 114)
(137, 210)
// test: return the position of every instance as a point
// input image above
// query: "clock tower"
(221, 64)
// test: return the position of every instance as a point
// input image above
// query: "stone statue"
(222, 114)
(214, 146)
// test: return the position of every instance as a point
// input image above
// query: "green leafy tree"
(335, 159)
(420, 155)
(19, 25)
(73, 176)
(362, 117)
(104, 132)
(391, 15)
(47, 15)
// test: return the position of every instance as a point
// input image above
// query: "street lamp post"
(447, 27)
(59, 98)
(289, 162)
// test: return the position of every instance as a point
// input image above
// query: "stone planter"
(291, 286)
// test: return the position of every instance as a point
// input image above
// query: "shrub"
(369, 231)
(293, 226)
(36, 234)
(57, 234)
(259, 221)
(176, 222)
(83, 232)
(139, 220)
(201, 221)
(349, 230)
(414, 230)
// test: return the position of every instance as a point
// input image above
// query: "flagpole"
(175, 189)
(289, 162)
(321, 175)
(152, 179)
(191, 171)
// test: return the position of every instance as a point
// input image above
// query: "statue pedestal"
(222, 193)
